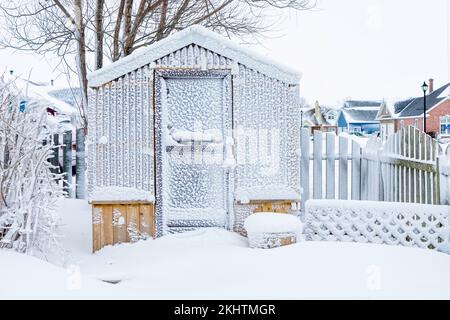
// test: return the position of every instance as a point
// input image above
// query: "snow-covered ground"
(215, 263)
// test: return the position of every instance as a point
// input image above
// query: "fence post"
(364, 175)
(54, 161)
(80, 164)
(330, 181)
(438, 183)
(304, 166)
(343, 168)
(356, 171)
(317, 165)
(67, 162)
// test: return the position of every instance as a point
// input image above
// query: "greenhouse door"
(193, 118)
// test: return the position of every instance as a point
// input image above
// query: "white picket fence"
(403, 169)
(444, 179)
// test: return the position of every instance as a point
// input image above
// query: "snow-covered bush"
(28, 188)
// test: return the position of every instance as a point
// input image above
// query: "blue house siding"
(366, 128)
(363, 127)
(342, 122)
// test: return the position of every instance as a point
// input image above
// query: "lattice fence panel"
(424, 226)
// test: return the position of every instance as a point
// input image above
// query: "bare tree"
(91, 30)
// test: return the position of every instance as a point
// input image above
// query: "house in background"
(320, 118)
(410, 112)
(60, 102)
(387, 122)
(358, 116)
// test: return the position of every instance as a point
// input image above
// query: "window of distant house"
(331, 116)
(445, 124)
(416, 123)
(356, 129)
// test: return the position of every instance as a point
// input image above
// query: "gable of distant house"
(322, 118)
(359, 116)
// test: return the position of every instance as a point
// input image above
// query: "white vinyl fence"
(444, 179)
(406, 168)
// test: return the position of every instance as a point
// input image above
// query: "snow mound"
(217, 264)
(120, 194)
(31, 278)
(269, 222)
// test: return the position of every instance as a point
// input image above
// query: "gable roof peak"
(204, 38)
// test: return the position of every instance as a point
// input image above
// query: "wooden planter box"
(114, 222)
(268, 240)
(268, 230)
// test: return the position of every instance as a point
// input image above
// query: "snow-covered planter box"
(407, 224)
(267, 230)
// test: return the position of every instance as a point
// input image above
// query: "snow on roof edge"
(204, 38)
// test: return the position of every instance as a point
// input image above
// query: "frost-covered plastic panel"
(266, 132)
(196, 57)
(192, 184)
(120, 134)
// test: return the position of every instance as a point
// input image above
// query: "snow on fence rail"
(407, 224)
(404, 169)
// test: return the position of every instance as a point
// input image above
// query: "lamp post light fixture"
(424, 89)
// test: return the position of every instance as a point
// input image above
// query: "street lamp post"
(301, 118)
(424, 89)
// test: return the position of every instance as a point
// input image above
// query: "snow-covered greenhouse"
(193, 131)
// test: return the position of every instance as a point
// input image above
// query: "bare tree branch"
(92, 31)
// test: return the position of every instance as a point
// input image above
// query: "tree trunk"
(127, 24)
(116, 34)
(81, 57)
(99, 34)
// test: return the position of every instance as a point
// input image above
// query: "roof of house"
(46, 95)
(203, 37)
(360, 115)
(400, 105)
(361, 111)
(349, 104)
(71, 96)
(414, 106)
(310, 115)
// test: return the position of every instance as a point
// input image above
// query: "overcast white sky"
(368, 49)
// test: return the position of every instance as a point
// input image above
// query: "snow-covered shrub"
(28, 188)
